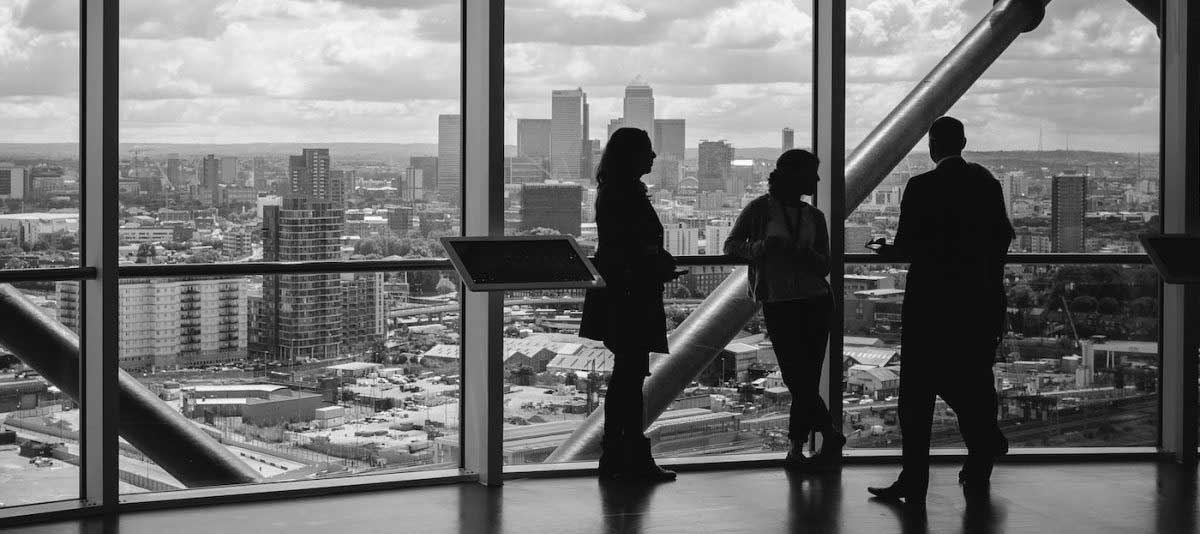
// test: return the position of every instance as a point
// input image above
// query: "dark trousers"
(624, 407)
(799, 330)
(963, 378)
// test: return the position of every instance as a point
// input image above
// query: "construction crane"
(1071, 322)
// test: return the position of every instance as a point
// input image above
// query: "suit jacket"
(954, 231)
(628, 313)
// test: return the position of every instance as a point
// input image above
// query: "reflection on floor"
(1088, 498)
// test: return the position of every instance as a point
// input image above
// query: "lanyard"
(793, 227)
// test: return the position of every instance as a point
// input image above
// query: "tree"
(539, 231)
(1145, 307)
(1020, 296)
(446, 286)
(17, 263)
(1084, 304)
(1109, 306)
(378, 352)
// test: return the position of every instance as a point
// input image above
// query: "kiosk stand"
(515, 263)
(489, 266)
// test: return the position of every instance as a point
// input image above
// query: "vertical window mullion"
(829, 144)
(1180, 207)
(99, 329)
(483, 215)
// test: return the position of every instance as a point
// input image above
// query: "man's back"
(954, 230)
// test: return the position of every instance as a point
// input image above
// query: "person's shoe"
(831, 448)
(898, 491)
(640, 465)
(795, 456)
(612, 461)
(978, 468)
(975, 490)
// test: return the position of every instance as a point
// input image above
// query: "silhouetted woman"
(627, 315)
(787, 244)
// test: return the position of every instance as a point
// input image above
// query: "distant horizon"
(323, 144)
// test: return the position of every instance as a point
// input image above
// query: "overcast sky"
(227, 71)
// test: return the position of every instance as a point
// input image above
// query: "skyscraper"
(300, 315)
(174, 174)
(210, 172)
(613, 126)
(309, 176)
(1068, 203)
(715, 160)
(449, 170)
(680, 239)
(789, 139)
(533, 138)
(229, 170)
(639, 106)
(568, 131)
(669, 138)
(12, 183)
(424, 174)
(363, 315)
(715, 233)
(554, 206)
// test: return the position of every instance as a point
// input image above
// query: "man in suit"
(954, 232)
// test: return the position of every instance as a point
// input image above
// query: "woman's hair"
(618, 162)
(791, 160)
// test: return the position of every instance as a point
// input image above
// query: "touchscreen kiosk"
(521, 262)
(1176, 256)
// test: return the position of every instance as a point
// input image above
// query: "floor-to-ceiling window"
(39, 230)
(721, 92)
(1067, 120)
(256, 133)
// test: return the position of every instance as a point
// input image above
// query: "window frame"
(482, 102)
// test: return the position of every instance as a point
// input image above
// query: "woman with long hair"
(627, 314)
(786, 241)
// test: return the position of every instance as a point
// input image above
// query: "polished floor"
(1093, 498)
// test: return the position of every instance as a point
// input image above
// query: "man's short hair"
(947, 129)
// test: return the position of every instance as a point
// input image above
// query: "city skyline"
(352, 85)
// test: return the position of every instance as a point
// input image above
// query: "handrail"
(181, 270)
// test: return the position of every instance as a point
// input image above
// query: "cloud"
(173, 19)
(236, 70)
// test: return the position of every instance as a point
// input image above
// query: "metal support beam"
(702, 335)
(483, 215)
(1180, 207)
(714, 323)
(829, 131)
(891, 140)
(161, 433)
(1152, 10)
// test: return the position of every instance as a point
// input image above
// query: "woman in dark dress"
(627, 315)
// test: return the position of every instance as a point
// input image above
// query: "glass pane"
(39, 418)
(1078, 367)
(572, 79)
(554, 379)
(39, 144)
(1066, 118)
(228, 113)
(300, 375)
